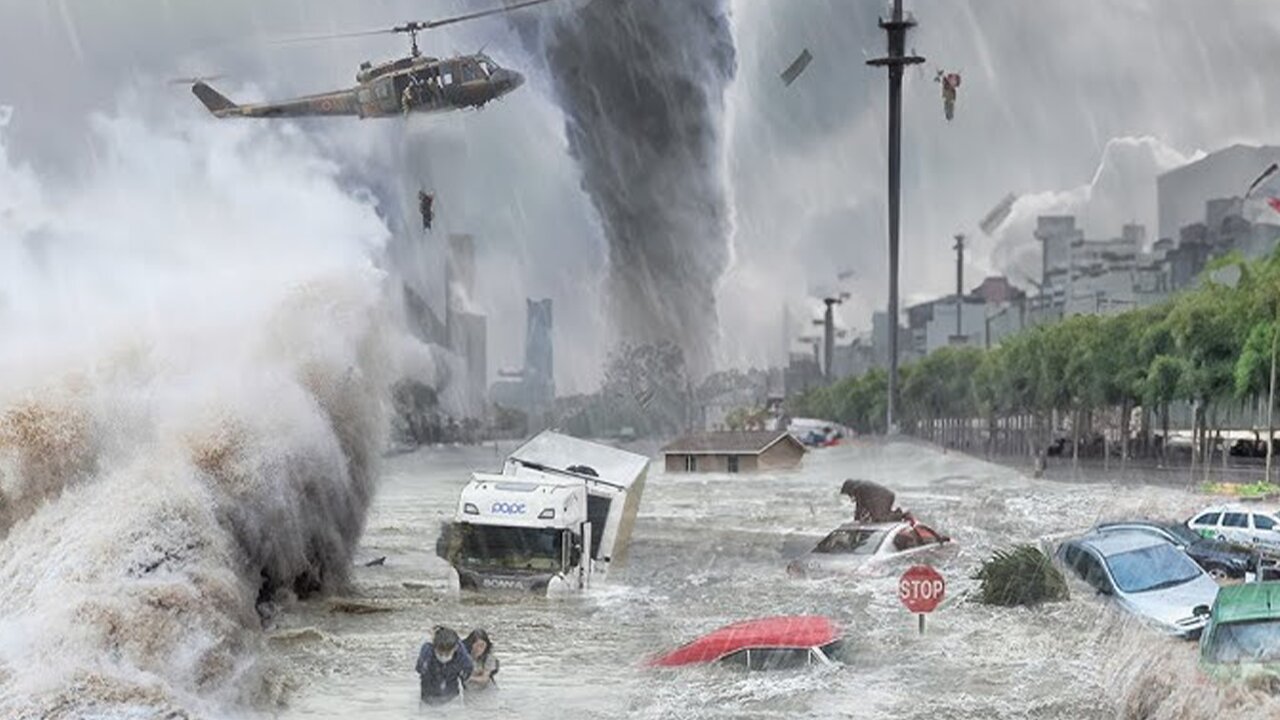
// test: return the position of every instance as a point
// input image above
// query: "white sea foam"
(195, 351)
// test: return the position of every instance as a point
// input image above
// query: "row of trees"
(1211, 347)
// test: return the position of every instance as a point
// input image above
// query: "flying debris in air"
(998, 215)
(426, 206)
(644, 397)
(797, 67)
(1262, 199)
(950, 84)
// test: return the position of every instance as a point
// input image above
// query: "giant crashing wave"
(192, 392)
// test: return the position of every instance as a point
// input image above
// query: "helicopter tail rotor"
(194, 79)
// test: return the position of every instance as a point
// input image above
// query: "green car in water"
(1242, 639)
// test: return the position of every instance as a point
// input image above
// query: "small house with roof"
(733, 452)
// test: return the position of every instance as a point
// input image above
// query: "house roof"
(737, 443)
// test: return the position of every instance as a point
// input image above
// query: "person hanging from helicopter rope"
(426, 206)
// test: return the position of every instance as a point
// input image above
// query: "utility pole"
(1271, 399)
(959, 248)
(895, 27)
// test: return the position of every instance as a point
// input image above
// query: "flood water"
(712, 549)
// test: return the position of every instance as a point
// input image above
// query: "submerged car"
(1144, 575)
(856, 544)
(1222, 560)
(1233, 523)
(776, 643)
(1242, 639)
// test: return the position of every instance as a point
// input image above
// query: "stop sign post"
(921, 589)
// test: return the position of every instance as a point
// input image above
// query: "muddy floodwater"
(712, 549)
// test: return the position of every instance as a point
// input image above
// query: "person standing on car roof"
(872, 502)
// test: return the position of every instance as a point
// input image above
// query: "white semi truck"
(558, 517)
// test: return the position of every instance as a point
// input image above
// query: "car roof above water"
(1237, 508)
(1121, 525)
(872, 527)
(795, 632)
(1115, 542)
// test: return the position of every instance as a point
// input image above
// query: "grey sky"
(1047, 85)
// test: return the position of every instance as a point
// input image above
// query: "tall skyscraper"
(539, 356)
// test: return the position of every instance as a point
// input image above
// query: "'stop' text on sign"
(921, 589)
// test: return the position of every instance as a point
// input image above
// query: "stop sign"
(921, 588)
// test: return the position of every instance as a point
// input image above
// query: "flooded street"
(712, 549)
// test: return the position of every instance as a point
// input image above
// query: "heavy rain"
(332, 332)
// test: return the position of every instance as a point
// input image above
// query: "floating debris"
(998, 214)
(1021, 576)
(797, 67)
(299, 635)
(352, 607)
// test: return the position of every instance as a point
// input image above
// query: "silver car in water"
(1144, 575)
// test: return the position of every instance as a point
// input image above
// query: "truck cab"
(518, 532)
(558, 516)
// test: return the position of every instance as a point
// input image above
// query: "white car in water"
(856, 544)
(1240, 525)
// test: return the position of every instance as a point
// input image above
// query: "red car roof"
(789, 631)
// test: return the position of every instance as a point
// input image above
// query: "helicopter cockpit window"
(486, 67)
(469, 70)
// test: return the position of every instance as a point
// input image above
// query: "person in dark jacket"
(872, 502)
(443, 666)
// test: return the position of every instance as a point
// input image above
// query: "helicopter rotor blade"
(431, 24)
(335, 36)
(413, 27)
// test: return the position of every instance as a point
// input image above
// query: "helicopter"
(414, 84)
